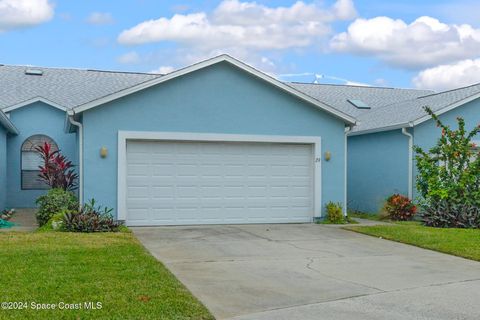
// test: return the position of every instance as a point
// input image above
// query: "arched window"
(31, 161)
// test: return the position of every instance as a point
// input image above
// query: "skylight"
(359, 104)
(34, 72)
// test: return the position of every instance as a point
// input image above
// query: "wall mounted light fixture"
(103, 152)
(328, 156)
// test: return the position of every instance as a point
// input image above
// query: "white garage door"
(178, 183)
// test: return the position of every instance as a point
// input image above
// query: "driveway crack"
(312, 260)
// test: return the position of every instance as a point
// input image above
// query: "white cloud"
(100, 18)
(449, 76)
(186, 56)
(243, 24)
(24, 13)
(423, 43)
(163, 70)
(131, 57)
(345, 10)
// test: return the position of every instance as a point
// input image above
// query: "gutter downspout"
(347, 131)
(80, 155)
(410, 161)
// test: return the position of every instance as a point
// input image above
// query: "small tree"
(449, 177)
(56, 170)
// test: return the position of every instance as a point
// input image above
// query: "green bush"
(91, 218)
(398, 207)
(55, 223)
(335, 213)
(449, 178)
(55, 201)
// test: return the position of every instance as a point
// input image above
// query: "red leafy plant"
(399, 207)
(56, 170)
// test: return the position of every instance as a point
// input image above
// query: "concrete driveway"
(310, 271)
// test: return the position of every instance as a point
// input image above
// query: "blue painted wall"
(37, 118)
(218, 99)
(427, 133)
(377, 168)
(378, 163)
(3, 168)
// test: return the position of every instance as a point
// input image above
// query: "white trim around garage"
(124, 136)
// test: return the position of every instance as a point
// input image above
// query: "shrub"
(443, 214)
(56, 170)
(335, 213)
(399, 207)
(55, 201)
(55, 223)
(91, 219)
(449, 178)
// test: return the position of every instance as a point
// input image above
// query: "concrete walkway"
(24, 220)
(310, 271)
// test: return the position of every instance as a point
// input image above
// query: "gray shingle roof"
(375, 97)
(406, 111)
(73, 87)
(66, 87)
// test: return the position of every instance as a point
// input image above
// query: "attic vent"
(34, 72)
(359, 104)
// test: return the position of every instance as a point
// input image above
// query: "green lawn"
(369, 216)
(460, 242)
(110, 268)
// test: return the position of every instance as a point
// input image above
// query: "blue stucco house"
(214, 143)
(380, 155)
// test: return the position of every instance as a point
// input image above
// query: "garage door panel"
(138, 192)
(171, 182)
(139, 170)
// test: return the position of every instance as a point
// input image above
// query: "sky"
(406, 43)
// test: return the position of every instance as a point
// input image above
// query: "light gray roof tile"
(66, 87)
(375, 97)
(74, 87)
(410, 110)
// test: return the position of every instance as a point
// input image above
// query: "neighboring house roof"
(65, 88)
(206, 63)
(374, 97)
(411, 112)
(7, 124)
(76, 90)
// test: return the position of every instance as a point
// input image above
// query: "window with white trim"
(31, 161)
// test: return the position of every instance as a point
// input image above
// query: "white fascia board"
(348, 119)
(447, 108)
(67, 126)
(33, 100)
(5, 122)
(381, 129)
(421, 119)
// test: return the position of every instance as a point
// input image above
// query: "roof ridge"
(446, 91)
(374, 110)
(80, 69)
(127, 72)
(357, 86)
